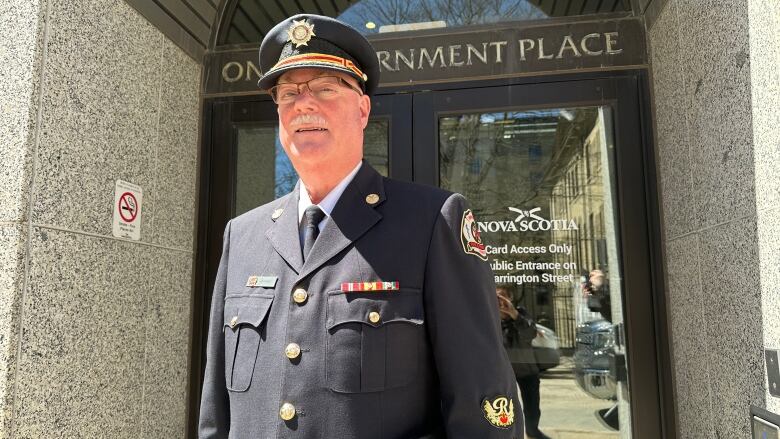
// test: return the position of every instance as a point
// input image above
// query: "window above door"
(247, 21)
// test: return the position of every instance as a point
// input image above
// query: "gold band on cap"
(320, 58)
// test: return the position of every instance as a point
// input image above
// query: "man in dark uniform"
(356, 306)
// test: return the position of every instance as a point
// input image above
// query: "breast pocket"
(373, 340)
(244, 333)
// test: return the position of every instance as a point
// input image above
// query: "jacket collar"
(352, 216)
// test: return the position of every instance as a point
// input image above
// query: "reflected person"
(519, 330)
(596, 289)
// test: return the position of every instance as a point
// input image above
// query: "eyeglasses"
(322, 88)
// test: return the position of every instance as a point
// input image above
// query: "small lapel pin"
(277, 213)
(372, 198)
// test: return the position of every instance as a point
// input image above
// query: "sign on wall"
(480, 52)
(127, 210)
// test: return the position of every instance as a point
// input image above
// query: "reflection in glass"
(376, 143)
(540, 183)
(263, 172)
(252, 19)
(255, 173)
(384, 16)
(388, 16)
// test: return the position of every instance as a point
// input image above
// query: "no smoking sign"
(127, 210)
(128, 207)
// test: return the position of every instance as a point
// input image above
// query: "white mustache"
(308, 119)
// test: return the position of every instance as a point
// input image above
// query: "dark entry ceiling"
(252, 19)
(200, 25)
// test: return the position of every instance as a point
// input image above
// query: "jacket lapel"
(351, 218)
(284, 235)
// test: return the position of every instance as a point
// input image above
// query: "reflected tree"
(453, 12)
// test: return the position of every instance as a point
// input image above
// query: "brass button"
(373, 317)
(277, 213)
(372, 198)
(300, 295)
(233, 321)
(287, 411)
(292, 351)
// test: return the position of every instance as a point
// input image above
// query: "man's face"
(503, 293)
(320, 133)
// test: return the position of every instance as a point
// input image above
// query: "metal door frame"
(632, 196)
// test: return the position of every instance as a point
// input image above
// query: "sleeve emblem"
(470, 236)
(500, 412)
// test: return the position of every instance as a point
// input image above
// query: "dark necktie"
(311, 220)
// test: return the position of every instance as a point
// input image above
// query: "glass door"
(262, 172)
(548, 177)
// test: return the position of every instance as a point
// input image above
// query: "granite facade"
(765, 94)
(97, 327)
(20, 61)
(13, 264)
(101, 99)
(686, 305)
(175, 162)
(732, 309)
(104, 350)
(715, 72)
(20, 65)
(674, 155)
(82, 348)
(714, 81)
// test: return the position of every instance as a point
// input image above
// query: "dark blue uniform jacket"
(425, 368)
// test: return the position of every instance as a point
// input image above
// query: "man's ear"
(365, 109)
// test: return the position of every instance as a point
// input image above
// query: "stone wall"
(765, 94)
(718, 152)
(94, 330)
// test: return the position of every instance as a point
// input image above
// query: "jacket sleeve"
(465, 331)
(214, 419)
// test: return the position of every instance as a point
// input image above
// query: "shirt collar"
(329, 202)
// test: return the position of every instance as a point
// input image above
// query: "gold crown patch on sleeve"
(500, 412)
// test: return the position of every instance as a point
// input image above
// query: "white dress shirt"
(328, 203)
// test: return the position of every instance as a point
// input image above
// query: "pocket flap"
(404, 305)
(246, 309)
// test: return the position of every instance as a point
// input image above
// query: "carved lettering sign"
(483, 52)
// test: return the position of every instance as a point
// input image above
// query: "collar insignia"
(300, 32)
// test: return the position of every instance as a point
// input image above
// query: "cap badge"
(300, 33)
(500, 412)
